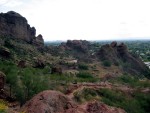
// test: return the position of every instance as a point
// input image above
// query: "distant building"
(148, 64)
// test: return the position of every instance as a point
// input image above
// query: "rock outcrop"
(38, 41)
(56, 102)
(79, 49)
(119, 54)
(48, 102)
(79, 45)
(14, 25)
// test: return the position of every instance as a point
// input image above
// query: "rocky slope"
(118, 54)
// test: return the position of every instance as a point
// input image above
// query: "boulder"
(48, 102)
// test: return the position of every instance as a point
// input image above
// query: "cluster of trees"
(23, 83)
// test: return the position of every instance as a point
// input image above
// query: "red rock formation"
(14, 25)
(56, 102)
(119, 54)
(48, 102)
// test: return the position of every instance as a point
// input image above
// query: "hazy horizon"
(85, 19)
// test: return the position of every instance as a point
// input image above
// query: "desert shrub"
(84, 75)
(85, 95)
(3, 106)
(83, 67)
(136, 103)
(106, 63)
(132, 81)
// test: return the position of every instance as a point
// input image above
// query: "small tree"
(106, 63)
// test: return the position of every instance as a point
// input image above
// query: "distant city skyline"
(85, 19)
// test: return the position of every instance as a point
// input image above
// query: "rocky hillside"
(75, 77)
(118, 54)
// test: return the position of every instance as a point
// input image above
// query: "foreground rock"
(48, 102)
(56, 102)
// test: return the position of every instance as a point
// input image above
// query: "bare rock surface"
(48, 102)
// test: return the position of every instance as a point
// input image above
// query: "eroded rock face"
(14, 25)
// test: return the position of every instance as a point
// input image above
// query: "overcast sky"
(85, 19)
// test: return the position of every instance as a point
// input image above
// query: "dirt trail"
(78, 87)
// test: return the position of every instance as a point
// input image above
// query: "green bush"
(83, 67)
(137, 102)
(84, 75)
(106, 63)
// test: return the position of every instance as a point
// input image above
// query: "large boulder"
(48, 102)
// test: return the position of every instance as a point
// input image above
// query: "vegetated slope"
(31, 67)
